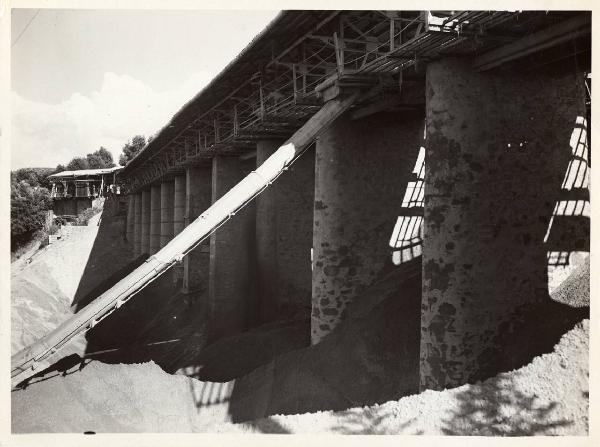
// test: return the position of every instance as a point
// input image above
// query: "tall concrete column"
(284, 220)
(155, 209)
(137, 228)
(362, 171)
(179, 204)
(198, 199)
(231, 255)
(178, 218)
(498, 147)
(130, 217)
(167, 196)
(146, 208)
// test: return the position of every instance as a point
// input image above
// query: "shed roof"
(86, 172)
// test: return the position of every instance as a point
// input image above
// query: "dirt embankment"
(44, 285)
(548, 396)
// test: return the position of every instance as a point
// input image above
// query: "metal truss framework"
(367, 49)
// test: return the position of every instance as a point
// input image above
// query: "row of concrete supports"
(497, 147)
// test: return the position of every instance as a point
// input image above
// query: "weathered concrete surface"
(232, 254)
(497, 150)
(178, 219)
(146, 216)
(130, 217)
(197, 200)
(137, 226)
(154, 218)
(179, 204)
(167, 197)
(362, 169)
(284, 220)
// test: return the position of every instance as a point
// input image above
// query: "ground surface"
(548, 396)
(268, 370)
(44, 283)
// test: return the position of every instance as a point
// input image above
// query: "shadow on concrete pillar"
(198, 200)
(137, 227)
(130, 218)
(155, 209)
(179, 204)
(146, 209)
(178, 218)
(167, 196)
(362, 170)
(284, 226)
(232, 251)
(498, 145)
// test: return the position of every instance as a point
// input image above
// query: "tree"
(131, 149)
(102, 158)
(33, 176)
(78, 163)
(99, 159)
(28, 205)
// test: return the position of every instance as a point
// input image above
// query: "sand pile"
(548, 396)
(44, 285)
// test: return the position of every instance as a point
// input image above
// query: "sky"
(81, 79)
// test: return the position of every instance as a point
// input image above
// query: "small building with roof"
(74, 191)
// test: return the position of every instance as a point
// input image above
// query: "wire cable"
(25, 29)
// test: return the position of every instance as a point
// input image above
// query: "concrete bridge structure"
(493, 103)
(463, 164)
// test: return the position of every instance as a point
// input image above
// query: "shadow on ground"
(496, 408)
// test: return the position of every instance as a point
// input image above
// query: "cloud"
(49, 134)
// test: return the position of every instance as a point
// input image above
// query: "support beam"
(362, 171)
(284, 219)
(154, 218)
(130, 217)
(496, 160)
(167, 196)
(137, 228)
(146, 210)
(198, 198)
(231, 255)
(179, 205)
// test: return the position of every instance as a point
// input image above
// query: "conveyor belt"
(45, 352)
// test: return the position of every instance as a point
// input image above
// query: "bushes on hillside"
(28, 206)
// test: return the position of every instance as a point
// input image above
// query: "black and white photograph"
(289, 220)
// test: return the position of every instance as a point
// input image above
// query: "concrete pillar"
(498, 145)
(167, 196)
(154, 218)
(130, 217)
(146, 209)
(179, 204)
(198, 199)
(231, 255)
(362, 171)
(137, 226)
(284, 220)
